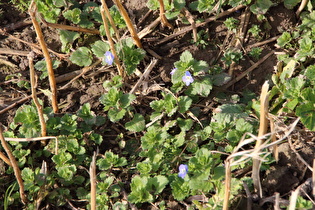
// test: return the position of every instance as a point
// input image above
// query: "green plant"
(232, 55)
(231, 24)
(255, 52)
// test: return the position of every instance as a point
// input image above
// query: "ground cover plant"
(157, 104)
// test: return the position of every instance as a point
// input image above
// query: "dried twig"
(5, 159)
(111, 21)
(238, 78)
(162, 15)
(110, 41)
(301, 7)
(34, 95)
(191, 20)
(51, 74)
(70, 28)
(263, 125)
(130, 26)
(15, 167)
(144, 75)
(210, 19)
(93, 182)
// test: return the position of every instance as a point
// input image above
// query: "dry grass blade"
(35, 139)
(15, 167)
(93, 182)
(34, 95)
(301, 7)
(227, 186)
(130, 26)
(149, 28)
(51, 74)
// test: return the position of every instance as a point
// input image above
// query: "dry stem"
(263, 125)
(15, 167)
(110, 40)
(130, 26)
(51, 75)
(162, 15)
(93, 182)
(34, 95)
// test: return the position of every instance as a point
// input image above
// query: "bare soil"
(283, 177)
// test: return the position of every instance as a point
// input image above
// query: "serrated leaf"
(99, 48)
(73, 15)
(82, 56)
(137, 124)
(307, 114)
(184, 103)
(261, 6)
(67, 38)
(67, 171)
(115, 115)
(290, 4)
(227, 113)
(157, 184)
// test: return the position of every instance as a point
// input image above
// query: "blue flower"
(109, 58)
(183, 169)
(187, 78)
(173, 71)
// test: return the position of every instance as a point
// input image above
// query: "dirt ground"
(282, 177)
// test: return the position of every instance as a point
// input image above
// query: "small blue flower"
(187, 78)
(173, 71)
(183, 169)
(109, 58)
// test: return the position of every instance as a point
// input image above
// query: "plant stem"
(51, 75)
(110, 40)
(162, 15)
(263, 125)
(15, 167)
(130, 26)
(34, 95)
(93, 182)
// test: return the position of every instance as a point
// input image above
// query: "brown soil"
(282, 177)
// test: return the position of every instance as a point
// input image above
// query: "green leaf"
(115, 114)
(111, 98)
(139, 193)
(99, 48)
(61, 158)
(82, 56)
(307, 114)
(185, 124)
(310, 73)
(294, 87)
(42, 66)
(227, 113)
(67, 38)
(180, 189)
(126, 100)
(67, 171)
(157, 184)
(184, 103)
(186, 57)
(144, 168)
(290, 4)
(73, 15)
(201, 87)
(137, 124)
(284, 39)
(261, 7)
